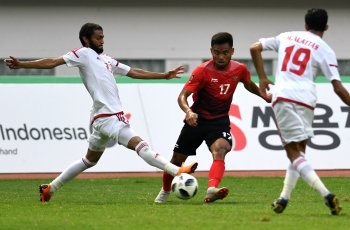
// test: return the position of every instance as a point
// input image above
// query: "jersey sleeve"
(196, 80)
(119, 68)
(75, 58)
(329, 66)
(271, 43)
(245, 74)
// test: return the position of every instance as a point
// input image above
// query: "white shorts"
(105, 129)
(294, 121)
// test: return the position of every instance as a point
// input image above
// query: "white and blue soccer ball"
(184, 186)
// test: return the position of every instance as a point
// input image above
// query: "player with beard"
(108, 120)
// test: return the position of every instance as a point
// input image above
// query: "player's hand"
(264, 87)
(191, 118)
(12, 62)
(175, 72)
(268, 98)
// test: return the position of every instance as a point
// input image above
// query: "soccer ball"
(184, 186)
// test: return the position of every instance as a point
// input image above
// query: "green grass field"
(127, 203)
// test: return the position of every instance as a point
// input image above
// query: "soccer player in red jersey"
(212, 84)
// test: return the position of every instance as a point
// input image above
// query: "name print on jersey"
(303, 41)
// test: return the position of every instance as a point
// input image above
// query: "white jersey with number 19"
(300, 55)
(96, 72)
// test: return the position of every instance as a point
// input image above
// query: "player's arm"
(255, 52)
(342, 93)
(46, 63)
(253, 88)
(191, 117)
(143, 74)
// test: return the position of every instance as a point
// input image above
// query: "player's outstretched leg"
(155, 159)
(214, 194)
(333, 203)
(47, 190)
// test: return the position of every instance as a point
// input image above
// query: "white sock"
(290, 180)
(309, 175)
(70, 173)
(155, 159)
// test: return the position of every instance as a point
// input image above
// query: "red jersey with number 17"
(213, 88)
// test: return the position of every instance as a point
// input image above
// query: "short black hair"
(222, 38)
(316, 19)
(87, 30)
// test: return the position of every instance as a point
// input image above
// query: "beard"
(98, 50)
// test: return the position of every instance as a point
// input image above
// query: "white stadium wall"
(44, 127)
(178, 31)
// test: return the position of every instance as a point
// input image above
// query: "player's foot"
(45, 193)
(333, 203)
(162, 196)
(279, 205)
(214, 194)
(187, 169)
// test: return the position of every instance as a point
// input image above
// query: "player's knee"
(93, 155)
(219, 154)
(96, 148)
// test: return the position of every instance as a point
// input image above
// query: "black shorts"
(207, 130)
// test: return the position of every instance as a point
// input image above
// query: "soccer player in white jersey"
(108, 120)
(300, 55)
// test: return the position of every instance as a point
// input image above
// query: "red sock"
(216, 173)
(167, 179)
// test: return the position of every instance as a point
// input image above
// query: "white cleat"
(214, 194)
(162, 197)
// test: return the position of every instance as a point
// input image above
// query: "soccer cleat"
(214, 194)
(279, 205)
(45, 194)
(187, 169)
(162, 197)
(333, 203)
